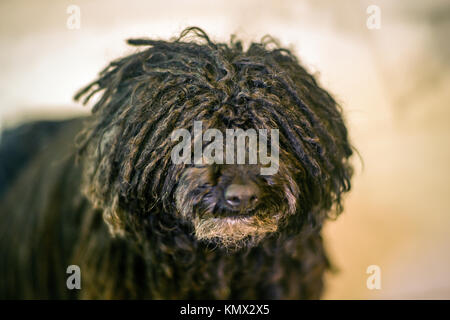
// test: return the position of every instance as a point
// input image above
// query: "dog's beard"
(234, 232)
(231, 230)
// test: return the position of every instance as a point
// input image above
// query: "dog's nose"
(242, 197)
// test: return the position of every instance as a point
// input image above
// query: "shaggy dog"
(103, 192)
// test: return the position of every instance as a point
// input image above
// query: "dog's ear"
(112, 180)
(115, 218)
(321, 141)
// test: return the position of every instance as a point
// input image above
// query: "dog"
(104, 193)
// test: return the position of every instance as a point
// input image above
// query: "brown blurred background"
(392, 82)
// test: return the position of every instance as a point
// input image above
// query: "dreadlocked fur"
(165, 239)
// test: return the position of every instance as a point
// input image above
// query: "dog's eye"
(214, 173)
(269, 180)
(256, 83)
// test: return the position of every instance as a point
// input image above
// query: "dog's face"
(130, 170)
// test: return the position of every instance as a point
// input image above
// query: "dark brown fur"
(110, 204)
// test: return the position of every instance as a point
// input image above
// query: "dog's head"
(163, 142)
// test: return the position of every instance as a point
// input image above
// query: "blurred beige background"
(393, 83)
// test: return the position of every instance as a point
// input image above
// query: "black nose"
(242, 197)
